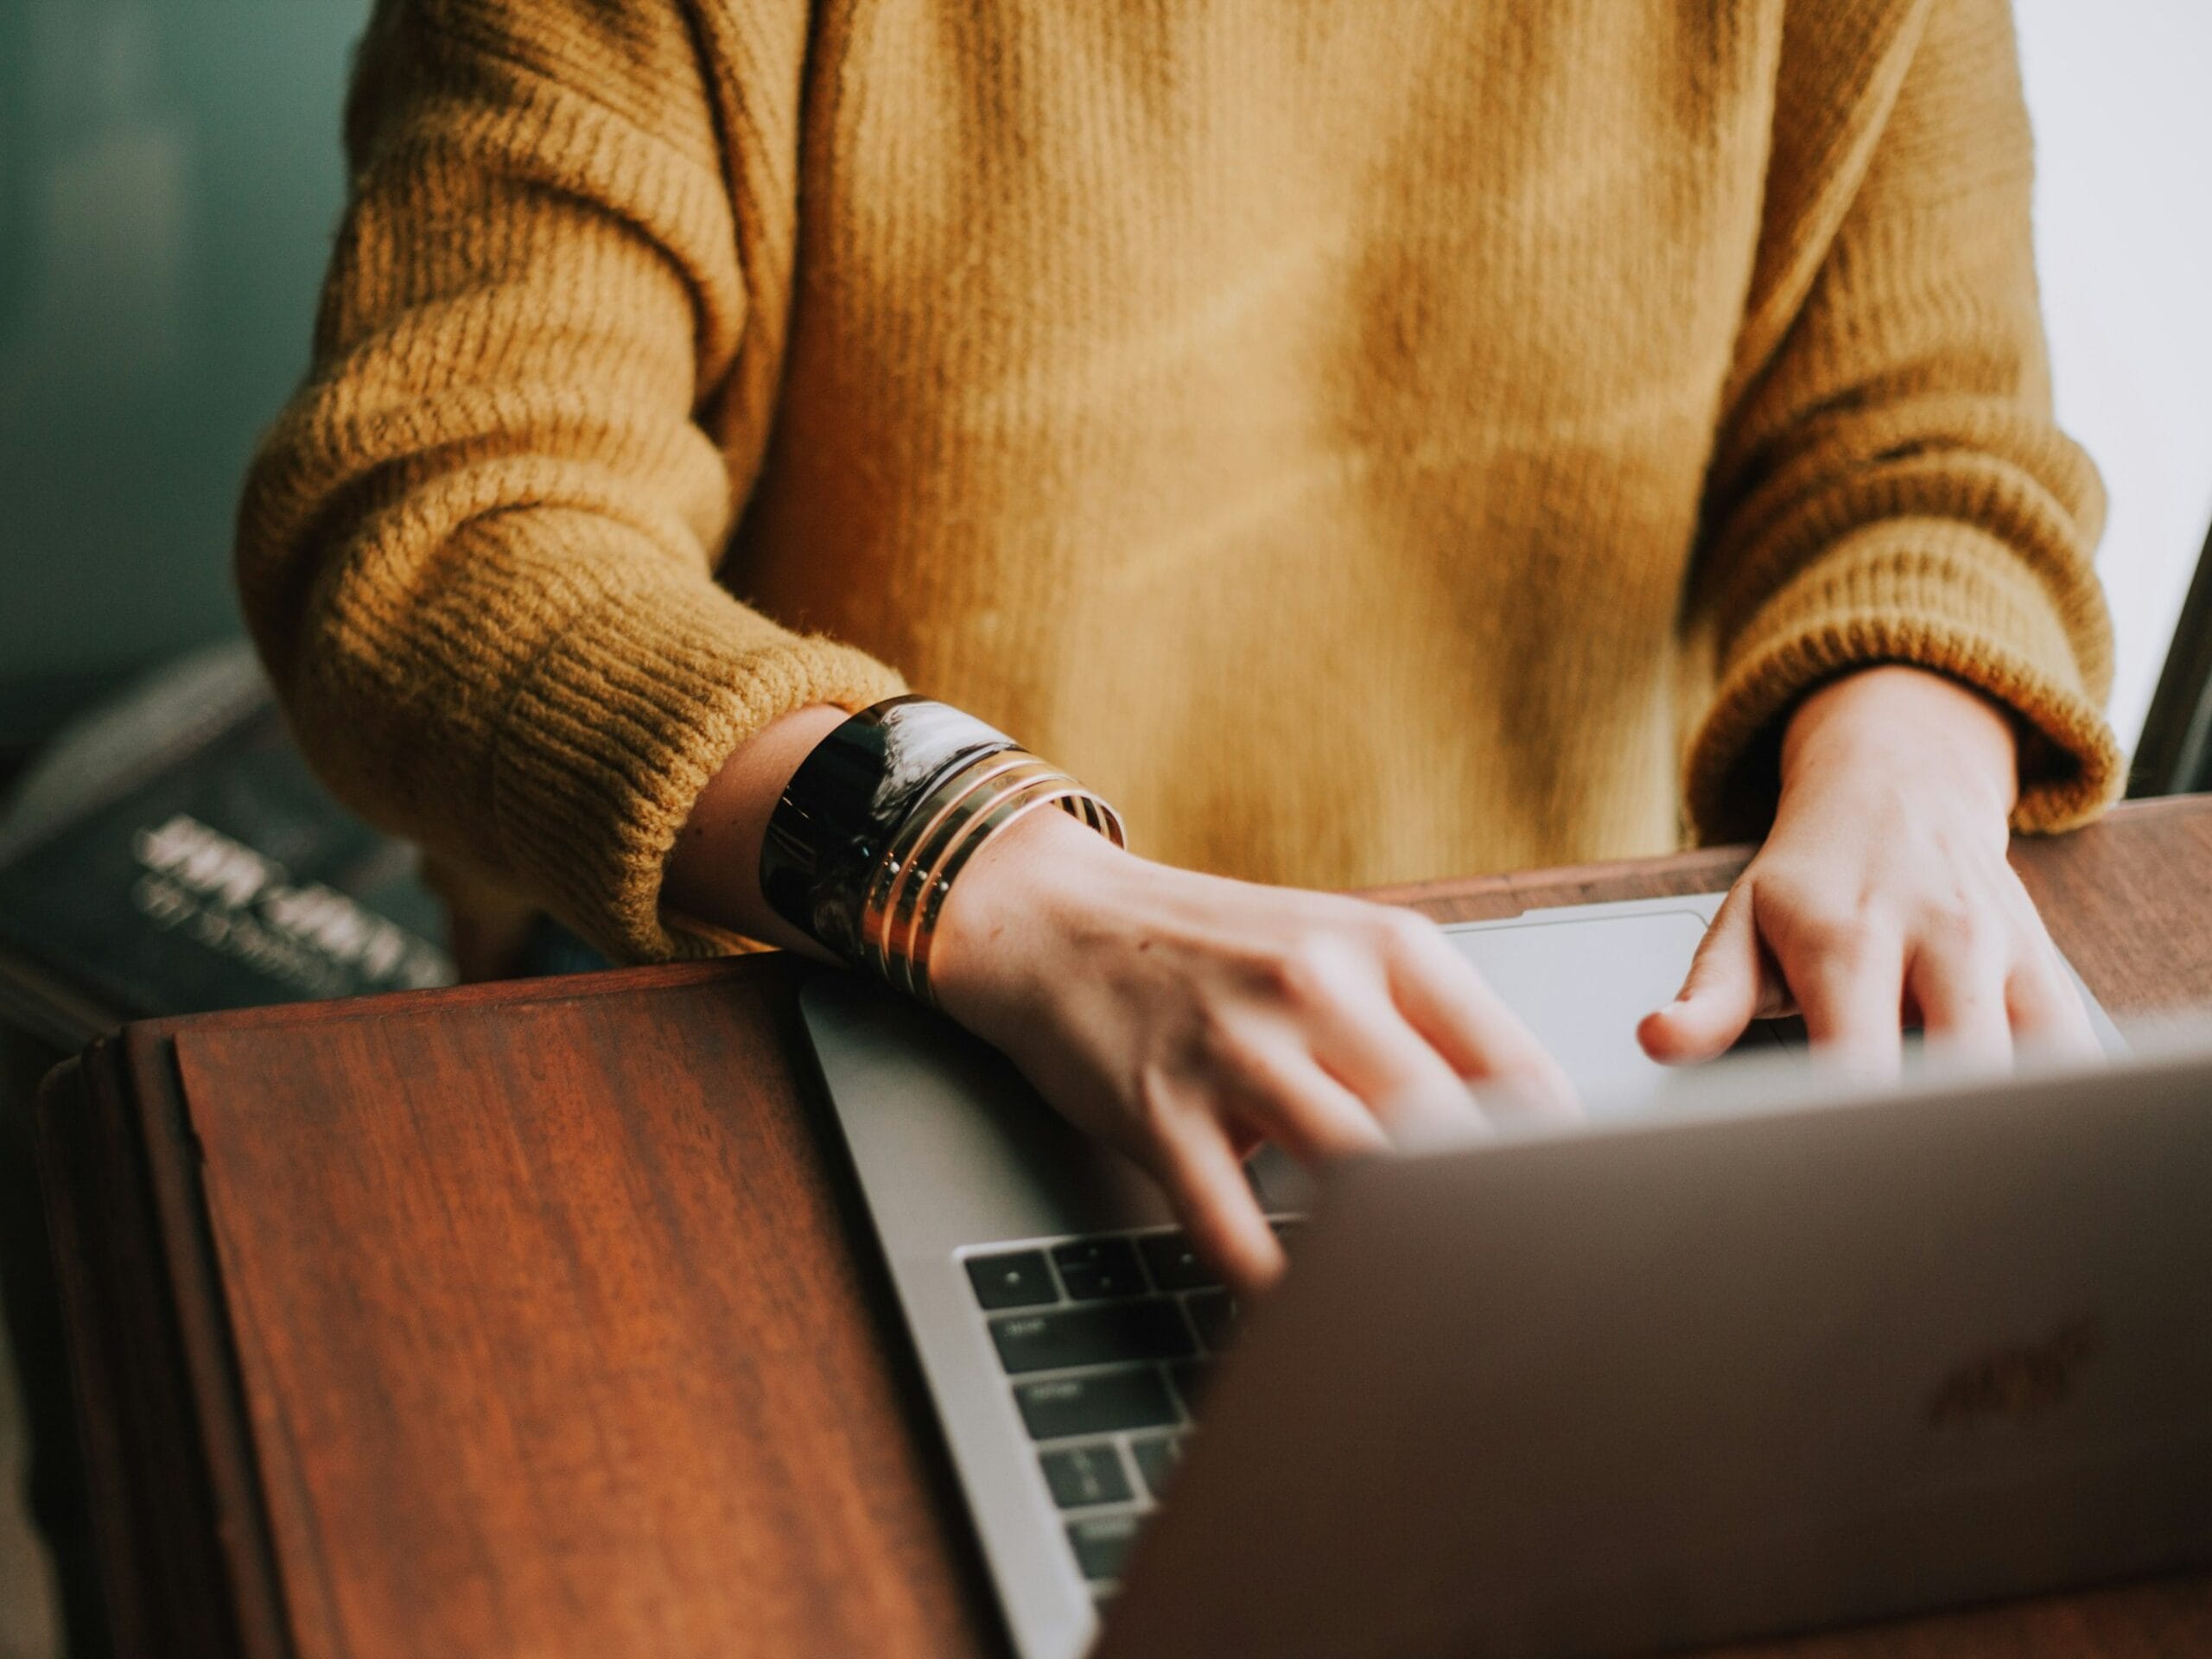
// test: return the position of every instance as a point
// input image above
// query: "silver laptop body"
(1338, 1402)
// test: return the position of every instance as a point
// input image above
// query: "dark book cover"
(175, 856)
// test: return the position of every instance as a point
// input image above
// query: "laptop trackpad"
(1584, 984)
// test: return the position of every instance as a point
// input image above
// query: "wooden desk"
(540, 1319)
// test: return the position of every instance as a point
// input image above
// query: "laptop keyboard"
(1106, 1342)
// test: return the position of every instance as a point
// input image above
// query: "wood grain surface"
(540, 1319)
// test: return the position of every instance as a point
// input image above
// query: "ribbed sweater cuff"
(617, 729)
(1934, 593)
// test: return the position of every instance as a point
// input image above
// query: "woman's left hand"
(1882, 897)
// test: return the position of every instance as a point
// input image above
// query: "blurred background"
(169, 177)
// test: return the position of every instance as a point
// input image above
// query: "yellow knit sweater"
(1364, 439)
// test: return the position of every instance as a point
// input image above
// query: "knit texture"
(1366, 442)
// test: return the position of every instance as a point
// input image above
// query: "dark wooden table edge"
(186, 1567)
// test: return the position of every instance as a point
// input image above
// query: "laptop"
(1750, 1351)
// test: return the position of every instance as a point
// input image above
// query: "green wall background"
(169, 181)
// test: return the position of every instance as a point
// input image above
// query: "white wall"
(2117, 91)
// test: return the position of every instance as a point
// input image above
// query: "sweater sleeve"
(1891, 486)
(477, 551)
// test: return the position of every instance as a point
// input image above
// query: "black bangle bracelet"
(841, 806)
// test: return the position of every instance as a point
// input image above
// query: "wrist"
(1907, 724)
(1018, 897)
(885, 818)
(711, 871)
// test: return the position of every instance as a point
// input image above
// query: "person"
(1362, 442)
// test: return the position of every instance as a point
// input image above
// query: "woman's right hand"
(1184, 1018)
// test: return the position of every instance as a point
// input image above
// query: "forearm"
(713, 874)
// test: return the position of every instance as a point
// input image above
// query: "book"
(171, 853)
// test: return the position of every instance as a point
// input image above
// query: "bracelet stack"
(881, 818)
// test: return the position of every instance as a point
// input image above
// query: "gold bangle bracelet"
(1070, 796)
(986, 811)
(902, 933)
(889, 900)
(911, 882)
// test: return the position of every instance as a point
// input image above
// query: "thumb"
(1721, 996)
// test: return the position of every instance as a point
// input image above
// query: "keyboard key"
(1085, 1474)
(1111, 1333)
(1093, 1268)
(1214, 1313)
(1097, 1404)
(1157, 1456)
(1190, 1378)
(1174, 1264)
(1018, 1279)
(1101, 1544)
